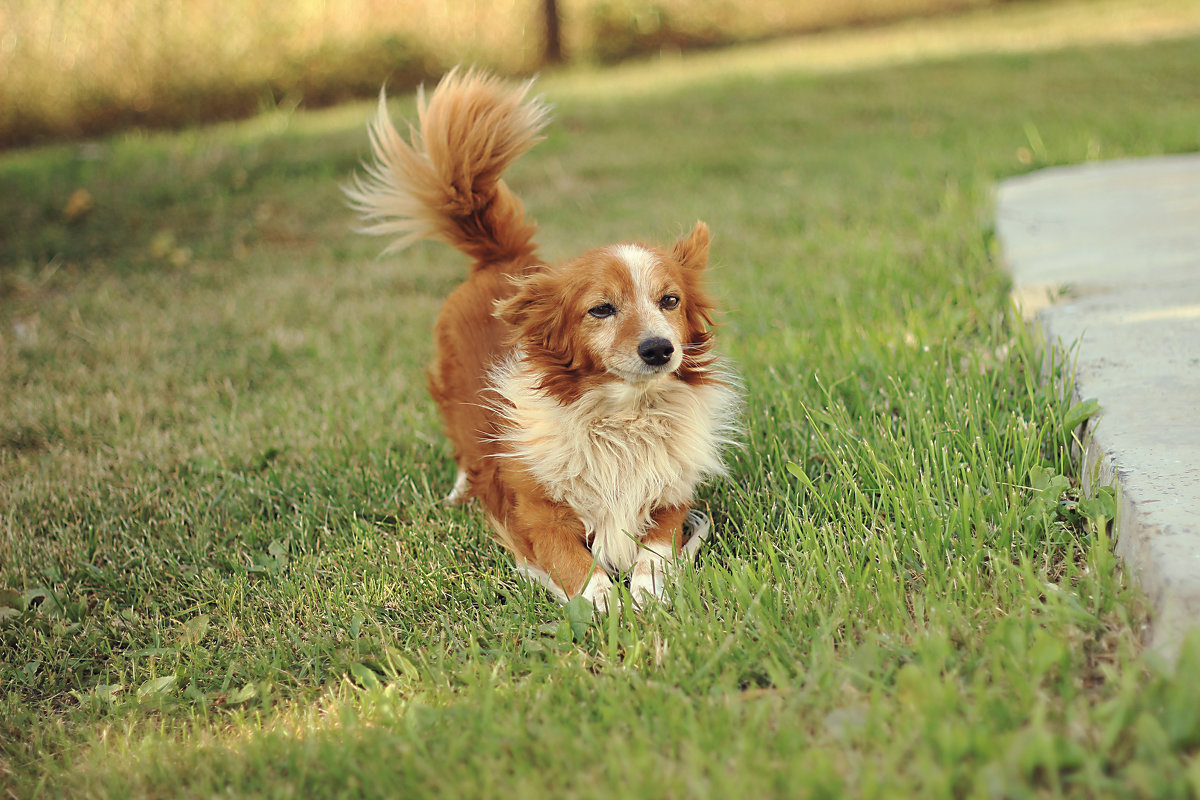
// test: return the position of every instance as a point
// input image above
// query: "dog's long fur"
(583, 399)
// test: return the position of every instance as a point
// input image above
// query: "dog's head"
(624, 312)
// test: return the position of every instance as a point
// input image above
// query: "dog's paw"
(539, 576)
(697, 526)
(598, 591)
(648, 582)
(458, 495)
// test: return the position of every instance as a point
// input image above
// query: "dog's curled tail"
(444, 183)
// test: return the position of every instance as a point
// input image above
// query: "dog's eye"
(668, 302)
(603, 310)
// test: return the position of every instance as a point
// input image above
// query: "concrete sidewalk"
(1107, 257)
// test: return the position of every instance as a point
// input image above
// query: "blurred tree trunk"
(553, 52)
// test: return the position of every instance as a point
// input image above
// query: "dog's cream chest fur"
(619, 452)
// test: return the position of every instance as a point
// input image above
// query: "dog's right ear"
(510, 311)
(516, 309)
(692, 250)
(534, 314)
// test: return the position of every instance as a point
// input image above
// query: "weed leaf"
(194, 630)
(1080, 412)
(364, 676)
(579, 616)
(799, 474)
(247, 692)
(157, 686)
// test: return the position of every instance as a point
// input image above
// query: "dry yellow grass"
(81, 66)
(1029, 27)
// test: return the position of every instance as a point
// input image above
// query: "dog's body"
(583, 399)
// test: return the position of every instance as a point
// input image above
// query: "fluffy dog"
(583, 399)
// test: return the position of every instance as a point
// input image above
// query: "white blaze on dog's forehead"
(642, 264)
(646, 273)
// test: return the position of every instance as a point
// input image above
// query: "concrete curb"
(1106, 259)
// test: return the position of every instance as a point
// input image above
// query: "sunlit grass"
(1019, 28)
(224, 567)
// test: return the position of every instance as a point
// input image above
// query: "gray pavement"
(1106, 258)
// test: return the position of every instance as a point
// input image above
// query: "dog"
(584, 400)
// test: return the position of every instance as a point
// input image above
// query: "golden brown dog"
(583, 399)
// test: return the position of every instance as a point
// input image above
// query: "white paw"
(459, 493)
(535, 575)
(598, 591)
(697, 526)
(654, 567)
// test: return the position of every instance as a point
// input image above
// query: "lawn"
(225, 569)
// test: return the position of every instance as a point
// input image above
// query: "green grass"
(224, 568)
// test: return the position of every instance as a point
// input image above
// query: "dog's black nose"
(656, 351)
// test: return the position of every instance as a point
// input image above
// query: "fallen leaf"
(79, 205)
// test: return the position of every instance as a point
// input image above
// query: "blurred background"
(71, 68)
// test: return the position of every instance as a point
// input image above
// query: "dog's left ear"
(692, 250)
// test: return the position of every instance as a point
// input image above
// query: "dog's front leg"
(658, 557)
(552, 552)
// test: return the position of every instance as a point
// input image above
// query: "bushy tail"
(445, 184)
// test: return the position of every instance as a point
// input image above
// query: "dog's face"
(631, 318)
(626, 312)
